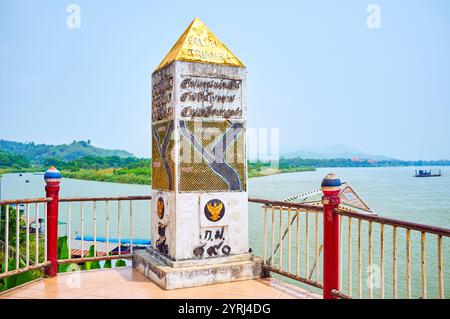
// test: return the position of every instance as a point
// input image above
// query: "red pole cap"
(52, 175)
(331, 185)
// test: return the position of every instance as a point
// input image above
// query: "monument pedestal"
(169, 274)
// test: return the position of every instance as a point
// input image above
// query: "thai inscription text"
(161, 99)
(206, 97)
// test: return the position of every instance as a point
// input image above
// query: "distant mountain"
(37, 153)
(336, 151)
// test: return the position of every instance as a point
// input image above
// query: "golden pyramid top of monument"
(199, 44)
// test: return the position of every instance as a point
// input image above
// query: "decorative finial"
(199, 44)
(331, 184)
(52, 175)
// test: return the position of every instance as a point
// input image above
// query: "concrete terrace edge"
(197, 261)
(197, 274)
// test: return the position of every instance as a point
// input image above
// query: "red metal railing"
(413, 237)
(120, 215)
(19, 236)
(291, 237)
(295, 236)
(291, 241)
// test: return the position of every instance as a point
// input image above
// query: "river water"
(390, 192)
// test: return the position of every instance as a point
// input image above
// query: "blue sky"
(314, 70)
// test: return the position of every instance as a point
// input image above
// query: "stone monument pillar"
(199, 179)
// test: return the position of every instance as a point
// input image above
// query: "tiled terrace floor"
(128, 283)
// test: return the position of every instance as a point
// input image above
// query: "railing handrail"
(276, 203)
(374, 218)
(25, 201)
(107, 198)
(396, 222)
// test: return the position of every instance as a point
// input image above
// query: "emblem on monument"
(160, 208)
(161, 244)
(214, 210)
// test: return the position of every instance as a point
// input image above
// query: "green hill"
(13, 161)
(38, 153)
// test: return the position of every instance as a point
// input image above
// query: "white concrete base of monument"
(198, 272)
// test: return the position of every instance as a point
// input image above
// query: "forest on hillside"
(81, 160)
(38, 153)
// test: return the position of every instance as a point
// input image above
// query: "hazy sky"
(315, 70)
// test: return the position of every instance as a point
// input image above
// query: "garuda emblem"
(160, 208)
(214, 210)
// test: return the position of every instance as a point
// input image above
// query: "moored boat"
(426, 173)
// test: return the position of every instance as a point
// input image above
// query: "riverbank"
(267, 171)
(144, 177)
(141, 175)
(109, 175)
(19, 170)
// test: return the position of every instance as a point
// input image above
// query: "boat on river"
(426, 173)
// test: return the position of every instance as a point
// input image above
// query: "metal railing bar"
(6, 238)
(17, 236)
(24, 269)
(359, 259)
(297, 237)
(440, 269)
(27, 234)
(394, 262)
(315, 265)
(382, 261)
(119, 211)
(69, 229)
(103, 199)
(423, 265)
(36, 233)
(398, 223)
(289, 240)
(340, 295)
(349, 257)
(271, 259)
(284, 204)
(408, 263)
(82, 229)
(46, 231)
(94, 215)
(316, 245)
(265, 236)
(98, 258)
(370, 260)
(25, 201)
(107, 227)
(295, 277)
(131, 226)
(306, 242)
(291, 222)
(280, 243)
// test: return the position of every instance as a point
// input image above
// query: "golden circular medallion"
(214, 210)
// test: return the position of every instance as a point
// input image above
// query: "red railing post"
(331, 186)
(52, 179)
